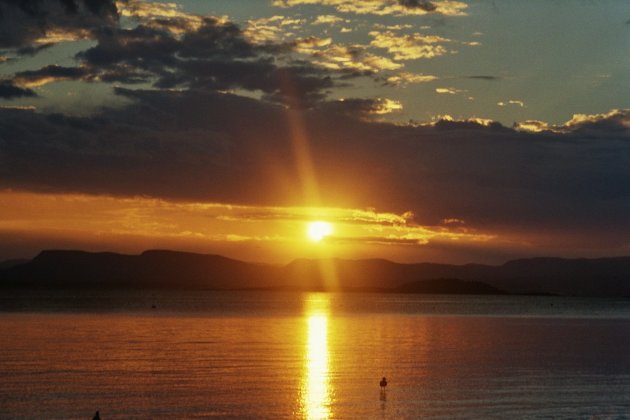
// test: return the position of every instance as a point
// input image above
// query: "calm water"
(290, 355)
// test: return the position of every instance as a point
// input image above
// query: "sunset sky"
(418, 130)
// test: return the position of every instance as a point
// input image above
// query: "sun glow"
(318, 230)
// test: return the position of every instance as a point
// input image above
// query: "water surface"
(292, 355)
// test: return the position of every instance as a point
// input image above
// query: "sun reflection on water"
(316, 388)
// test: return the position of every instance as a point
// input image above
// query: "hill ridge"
(609, 276)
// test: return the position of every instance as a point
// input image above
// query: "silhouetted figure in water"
(96, 416)
(383, 383)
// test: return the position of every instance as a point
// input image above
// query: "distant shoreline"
(162, 269)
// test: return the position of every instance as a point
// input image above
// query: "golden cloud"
(311, 45)
(621, 116)
(270, 29)
(407, 77)
(381, 7)
(512, 102)
(409, 47)
(386, 106)
(33, 83)
(80, 215)
(486, 122)
(355, 57)
(56, 35)
(163, 15)
(397, 27)
(533, 126)
(20, 107)
(144, 9)
(327, 20)
(448, 91)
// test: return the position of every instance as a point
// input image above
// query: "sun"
(317, 231)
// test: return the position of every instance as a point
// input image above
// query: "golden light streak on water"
(316, 392)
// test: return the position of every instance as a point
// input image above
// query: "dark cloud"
(33, 49)
(484, 77)
(360, 108)
(222, 147)
(615, 124)
(38, 9)
(24, 21)
(137, 146)
(216, 39)
(125, 75)
(35, 77)
(9, 91)
(189, 139)
(472, 125)
(141, 47)
(418, 4)
(214, 57)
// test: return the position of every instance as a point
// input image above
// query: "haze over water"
(285, 355)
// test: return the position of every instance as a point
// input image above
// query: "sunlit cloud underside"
(212, 224)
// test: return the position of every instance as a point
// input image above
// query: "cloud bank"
(222, 114)
(226, 148)
(27, 22)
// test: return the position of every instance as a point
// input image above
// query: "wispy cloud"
(23, 23)
(409, 47)
(9, 90)
(404, 78)
(161, 16)
(49, 74)
(143, 10)
(386, 106)
(616, 120)
(484, 77)
(208, 222)
(363, 109)
(533, 126)
(386, 7)
(448, 90)
(327, 20)
(354, 57)
(512, 102)
(271, 29)
(395, 27)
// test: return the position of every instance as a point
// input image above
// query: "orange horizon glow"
(264, 233)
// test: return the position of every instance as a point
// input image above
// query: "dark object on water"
(97, 416)
(383, 383)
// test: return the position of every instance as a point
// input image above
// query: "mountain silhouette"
(171, 269)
